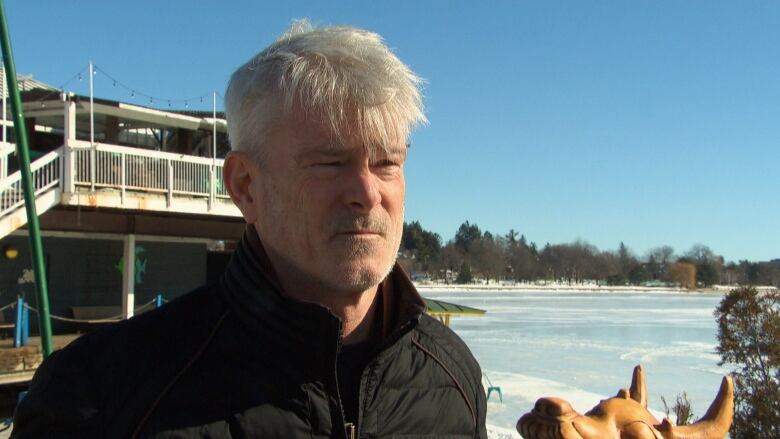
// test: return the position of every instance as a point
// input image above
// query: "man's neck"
(357, 310)
(358, 314)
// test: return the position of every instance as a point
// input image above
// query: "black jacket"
(240, 360)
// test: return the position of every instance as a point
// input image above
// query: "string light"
(60, 89)
(116, 83)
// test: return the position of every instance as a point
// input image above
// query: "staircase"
(46, 176)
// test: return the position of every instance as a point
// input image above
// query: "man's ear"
(238, 173)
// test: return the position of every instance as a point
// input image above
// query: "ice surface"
(582, 346)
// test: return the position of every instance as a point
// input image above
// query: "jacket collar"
(256, 298)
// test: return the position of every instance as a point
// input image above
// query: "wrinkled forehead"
(372, 151)
(355, 129)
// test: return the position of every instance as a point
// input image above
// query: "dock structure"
(17, 365)
(444, 310)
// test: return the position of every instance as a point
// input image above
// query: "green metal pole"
(23, 152)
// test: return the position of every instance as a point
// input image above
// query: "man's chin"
(355, 277)
(359, 248)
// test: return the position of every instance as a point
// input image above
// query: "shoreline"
(586, 288)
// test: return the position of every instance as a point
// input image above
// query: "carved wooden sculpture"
(625, 416)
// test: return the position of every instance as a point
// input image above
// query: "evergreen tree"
(423, 245)
(464, 275)
(466, 235)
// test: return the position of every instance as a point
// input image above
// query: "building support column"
(69, 168)
(70, 121)
(128, 277)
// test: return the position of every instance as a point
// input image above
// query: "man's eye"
(329, 164)
(385, 163)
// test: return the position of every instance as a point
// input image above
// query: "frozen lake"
(583, 346)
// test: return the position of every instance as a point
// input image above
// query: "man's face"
(329, 214)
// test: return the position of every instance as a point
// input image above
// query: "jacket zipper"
(350, 429)
(389, 341)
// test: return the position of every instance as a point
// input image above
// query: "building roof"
(47, 105)
(26, 83)
(434, 307)
(197, 113)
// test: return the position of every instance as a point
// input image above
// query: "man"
(313, 331)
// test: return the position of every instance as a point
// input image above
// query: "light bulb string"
(61, 88)
(134, 92)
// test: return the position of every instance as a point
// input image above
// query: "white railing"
(116, 167)
(133, 169)
(46, 173)
(6, 149)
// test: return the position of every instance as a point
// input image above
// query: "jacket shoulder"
(434, 335)
(450, 349)
(78, 387)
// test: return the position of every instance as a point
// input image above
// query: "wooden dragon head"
(625, 416)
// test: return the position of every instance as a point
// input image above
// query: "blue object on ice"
(491, 388)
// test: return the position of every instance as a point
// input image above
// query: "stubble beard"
(364, 263)
(356, 264)
(362, 270)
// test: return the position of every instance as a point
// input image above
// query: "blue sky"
(650, 123)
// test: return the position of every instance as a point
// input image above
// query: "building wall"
(11, 271)
(88, 272)
(170, 269)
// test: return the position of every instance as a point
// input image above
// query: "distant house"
(420, 277)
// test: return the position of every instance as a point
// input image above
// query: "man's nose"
(362, 190)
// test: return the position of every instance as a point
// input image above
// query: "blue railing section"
(22, 320)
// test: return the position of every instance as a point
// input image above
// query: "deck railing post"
(70, 168)
(92, 170)
(122, 181)
(170, 183)
(69, 162)
(212, 187)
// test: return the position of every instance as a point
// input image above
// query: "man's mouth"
(359, 226)
(361, 232)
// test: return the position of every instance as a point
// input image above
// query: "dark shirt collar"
(253, 289)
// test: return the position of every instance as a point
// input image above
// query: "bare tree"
(663, 256)
(681, 409)
(683, 273)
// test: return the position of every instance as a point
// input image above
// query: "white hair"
(345, 77)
